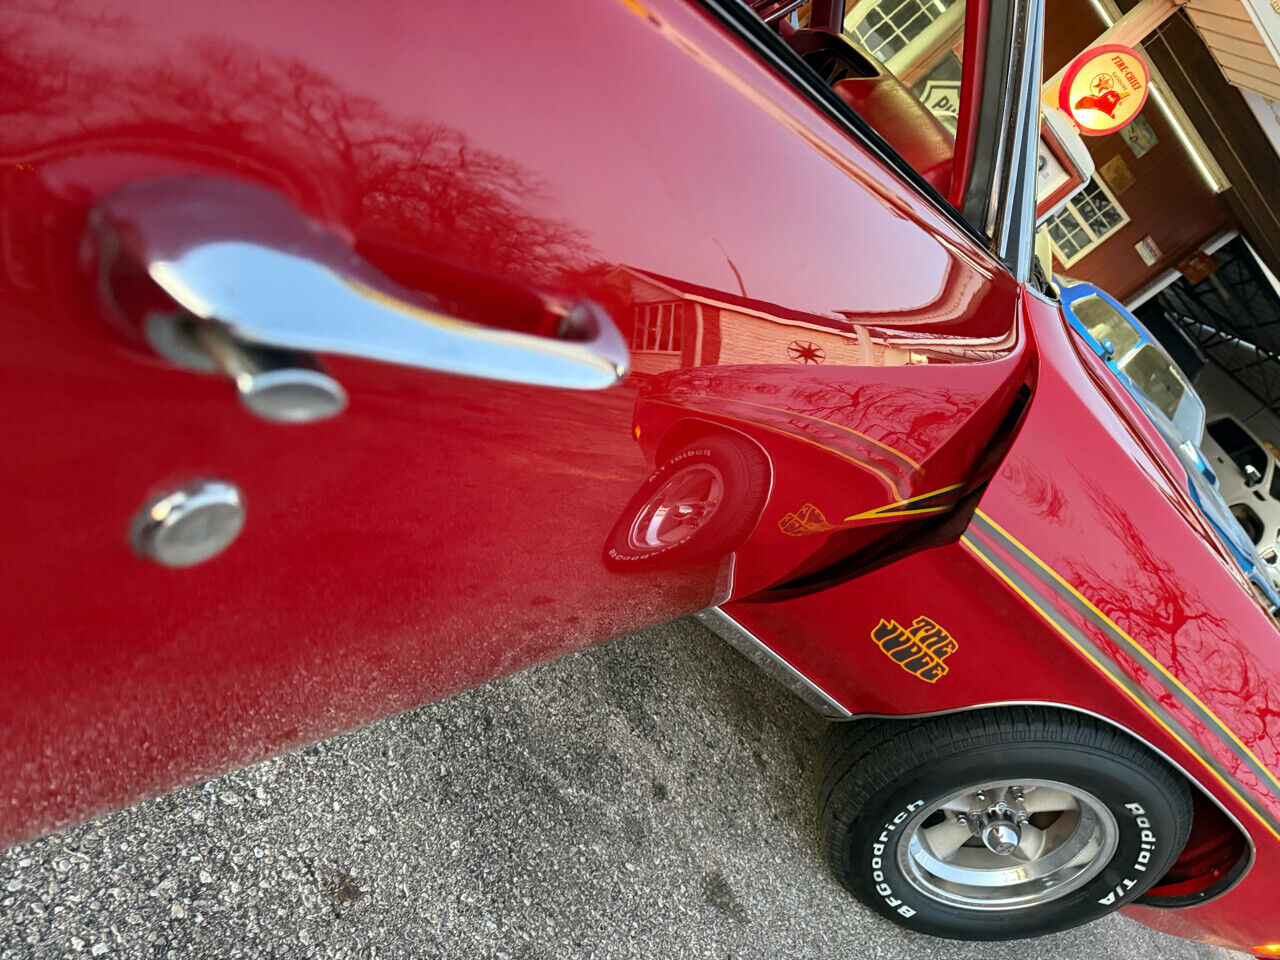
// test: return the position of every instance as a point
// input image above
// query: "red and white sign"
(1104, 88)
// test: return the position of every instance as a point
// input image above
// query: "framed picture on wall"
(1139, 136)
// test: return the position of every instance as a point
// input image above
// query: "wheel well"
(1216, 855)
(1218, 852)
(1248, 519)
(684, 432)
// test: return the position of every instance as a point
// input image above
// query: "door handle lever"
(262, 286)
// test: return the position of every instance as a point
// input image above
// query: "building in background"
(1181, 219)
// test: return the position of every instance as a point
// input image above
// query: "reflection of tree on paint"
(1160, 610)
(417, 184)
(1035, 489)
(902, 423)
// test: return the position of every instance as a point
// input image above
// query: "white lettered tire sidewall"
(1151, 835)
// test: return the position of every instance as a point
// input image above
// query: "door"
(356, 356)
(1248, 477)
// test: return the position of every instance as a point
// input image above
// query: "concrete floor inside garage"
(649, 798)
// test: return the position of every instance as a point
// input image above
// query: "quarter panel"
(1086, 579)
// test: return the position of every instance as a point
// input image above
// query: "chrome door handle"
(253, 271)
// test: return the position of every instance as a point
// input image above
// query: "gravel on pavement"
(648, 798)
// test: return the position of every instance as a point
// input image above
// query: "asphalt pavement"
(649, 798)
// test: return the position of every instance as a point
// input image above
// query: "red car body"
(936, 446)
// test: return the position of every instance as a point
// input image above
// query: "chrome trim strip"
(1000, 197)
(1253, 850)
(755, 650)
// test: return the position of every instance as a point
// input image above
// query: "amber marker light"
(1267, 950)
(636, 431)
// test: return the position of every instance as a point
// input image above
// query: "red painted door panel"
(776, 284)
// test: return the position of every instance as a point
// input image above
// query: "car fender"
(1062, 590)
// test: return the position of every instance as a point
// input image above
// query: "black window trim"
(1005, 144)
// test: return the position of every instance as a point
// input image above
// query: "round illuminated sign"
(1104, 88)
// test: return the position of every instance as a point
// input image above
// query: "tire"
(882, 781)
(725, 477)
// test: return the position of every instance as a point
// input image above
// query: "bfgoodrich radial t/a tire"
(701, 504)
(998, 824)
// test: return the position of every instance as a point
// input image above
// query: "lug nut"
(982, 797)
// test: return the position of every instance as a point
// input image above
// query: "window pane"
(657, 327)
(1067, 234)
(1088, 218)
(1238, 445)
(1105, 322)
(1156, 377)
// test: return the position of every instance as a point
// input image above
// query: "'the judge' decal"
(920, 648)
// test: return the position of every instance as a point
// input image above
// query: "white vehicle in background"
(1248, 477)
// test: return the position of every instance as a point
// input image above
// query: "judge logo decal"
(920, 648)
(808, 519)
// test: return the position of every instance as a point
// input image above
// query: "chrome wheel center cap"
(1001, 837)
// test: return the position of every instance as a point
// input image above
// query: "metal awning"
(1244, 37)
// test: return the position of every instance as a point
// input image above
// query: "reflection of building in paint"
(672, 324)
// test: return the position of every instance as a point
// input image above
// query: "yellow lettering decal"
(919, 649)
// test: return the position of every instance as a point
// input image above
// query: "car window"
(920, 42)
(1275, 486)
(1105, 322)
(1238, 445)
(902, 74)
(898, 64)
(1166, 387)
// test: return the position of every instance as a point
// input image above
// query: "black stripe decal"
(1039, 568)
(1113, 671)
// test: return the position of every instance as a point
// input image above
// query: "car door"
(352, 347)
(1236, 454)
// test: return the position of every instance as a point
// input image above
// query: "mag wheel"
(998, 825)
(700, 504)
(676, 511)
(997, 845)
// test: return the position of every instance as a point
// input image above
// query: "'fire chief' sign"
(1104, 88)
